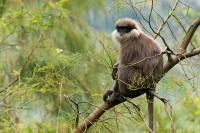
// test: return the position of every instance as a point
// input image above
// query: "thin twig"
(24, 65)
(146, 58)
(140, 114)
(14, 127)
(77, 109)
(166, 19)
(106, 52)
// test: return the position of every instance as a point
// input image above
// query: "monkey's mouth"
(121, 34)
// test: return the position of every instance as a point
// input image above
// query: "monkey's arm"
(114, 72)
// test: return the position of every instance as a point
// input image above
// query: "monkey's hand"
(114, 72)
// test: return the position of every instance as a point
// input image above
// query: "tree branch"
(93, 117)
(166, 19)
(169, 64)
(189, 35)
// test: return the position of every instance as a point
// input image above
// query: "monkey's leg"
(114, 97)
(117, 97)
(150, 101)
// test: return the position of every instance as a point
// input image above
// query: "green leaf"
(96, 95)
(34, 85)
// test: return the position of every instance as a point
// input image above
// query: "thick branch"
(93, 117)
(168, 65)
(193, 27)
(189, 35)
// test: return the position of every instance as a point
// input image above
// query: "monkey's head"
(126, 28)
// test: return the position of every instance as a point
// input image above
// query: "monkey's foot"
(113, 98)
(107, 94)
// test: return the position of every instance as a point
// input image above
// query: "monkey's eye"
(123, 29)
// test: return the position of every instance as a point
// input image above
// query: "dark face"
(123, 30)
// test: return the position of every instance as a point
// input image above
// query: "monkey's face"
(123, 34)
(123, 30)
(126, 29)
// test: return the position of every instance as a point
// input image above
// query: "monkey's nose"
(121, 34)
